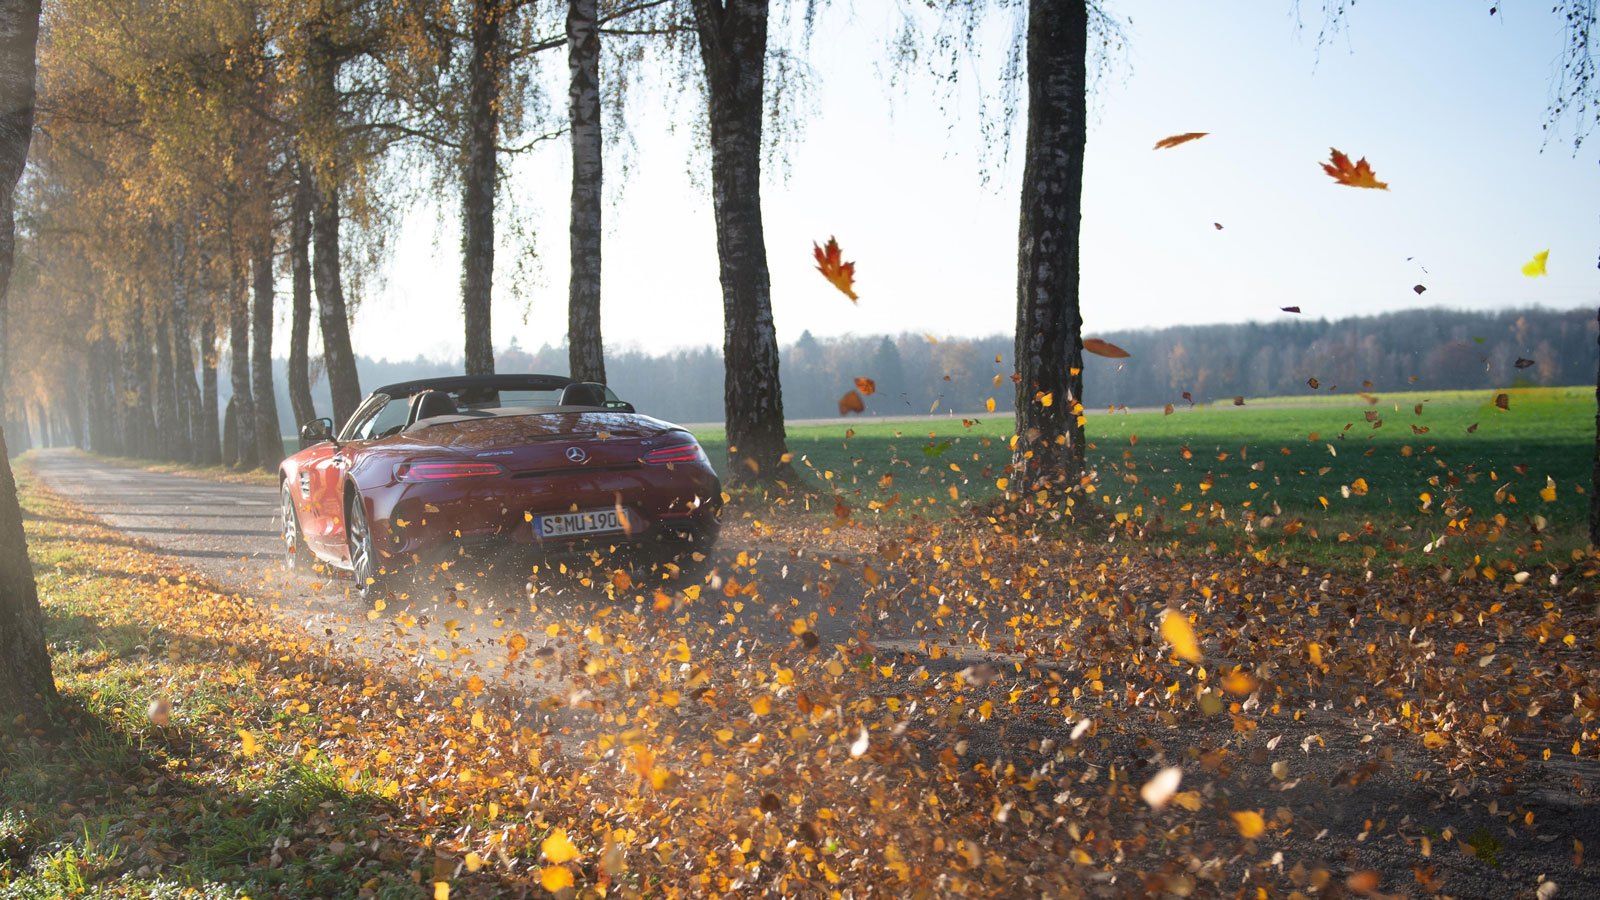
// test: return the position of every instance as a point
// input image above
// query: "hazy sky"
(1444, 100)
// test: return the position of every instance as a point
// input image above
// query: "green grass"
(1259, 460)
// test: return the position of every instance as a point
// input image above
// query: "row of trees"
(192, 153)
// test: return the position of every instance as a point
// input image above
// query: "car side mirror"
(316, 431)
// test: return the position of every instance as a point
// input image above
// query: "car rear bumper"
(423, 522)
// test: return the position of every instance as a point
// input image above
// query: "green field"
(1259, 458)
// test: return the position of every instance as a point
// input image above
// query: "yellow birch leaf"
(1175, 629)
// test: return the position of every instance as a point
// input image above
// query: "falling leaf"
(1503, 401)
(1363, 882)
(859, 745)
(851, 403)
(475, 684)
(1238, 399)
(159, 712)
(441, 890)
(1177, 139)
(1418, 288)
(1175, 629)
(866, 386)
(841, 275)
(1293, 309)
(1158, 790)
(557, 848)
(1523, 363)
(555, 878)
(1104, 348)
(1533, 268)
(1359, 175)
(1241, 683)
(1249, 823)
(247, 744)
(1548, 492)
(989, 404)
(1217, 225)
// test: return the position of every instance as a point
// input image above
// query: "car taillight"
(678, 453)
(443, 471)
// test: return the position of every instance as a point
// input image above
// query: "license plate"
(595, 521)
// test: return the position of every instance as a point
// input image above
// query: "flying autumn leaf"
(866, 386)
(1533, 268)
(1523, 363)
(851, 403)
(1104, 348)
(1503, 401)
(248, 745)
(1293, 309)
(1158, 790)
(1175, 629)
(555, 878)
(557, 848)
(1419, 288)
(1359, 175)
(1177, 139)
(159, 712)
(841, 274)
(1249, 822)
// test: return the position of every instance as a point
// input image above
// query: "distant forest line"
(1416, 348)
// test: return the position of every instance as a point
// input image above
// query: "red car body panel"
(551, 462)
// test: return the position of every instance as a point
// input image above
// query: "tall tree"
(585, 350)
(300, 299)
(26, 682)
(269, 441)
(1049, 348)
(485, 69)
(246, 454)
(733, 46)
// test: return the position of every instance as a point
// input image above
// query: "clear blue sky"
(1444, 100)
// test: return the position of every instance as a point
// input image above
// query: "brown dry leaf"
(1178, 139)
(1104, 348)
(866, 386)
(841, 275)
(1358, 175)
(1503, 401)
(851, 403)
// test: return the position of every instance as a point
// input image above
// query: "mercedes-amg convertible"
(429, 469)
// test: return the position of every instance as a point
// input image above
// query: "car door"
(325, 532)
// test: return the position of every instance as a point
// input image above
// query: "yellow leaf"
(1002, 483)
(474, 862)
(761, 706)
(557, 848)
(1250, 823)
(1175, 629)
(1241, 683)
(670, 698)
(554, 878)
(475, 684)
(1433, 740)
(1533, 268)
(441, 890)
(248, 745)
(1548, 492)
(989, 404)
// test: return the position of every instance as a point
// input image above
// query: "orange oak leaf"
(1359, 175)
(866, 386)
(1104, 348)
(1177, 139)
(841, 274)
(851, 403)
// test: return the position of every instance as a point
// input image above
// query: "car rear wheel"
(296, 555)
(371, 580)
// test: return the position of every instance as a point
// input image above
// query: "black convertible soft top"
(458, 383)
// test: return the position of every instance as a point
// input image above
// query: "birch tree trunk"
(300, 301)
(338, 358)
(26, 682)
(264, 397)
(477, 202)
(245, 453)
(166, 390)
(143, 414)
(733, 46)
(1049, 346)
(209, 438)
(585, 351)
(188, 389)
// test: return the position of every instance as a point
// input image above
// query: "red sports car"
(424, 470)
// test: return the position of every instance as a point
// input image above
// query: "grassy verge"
(194, 470)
